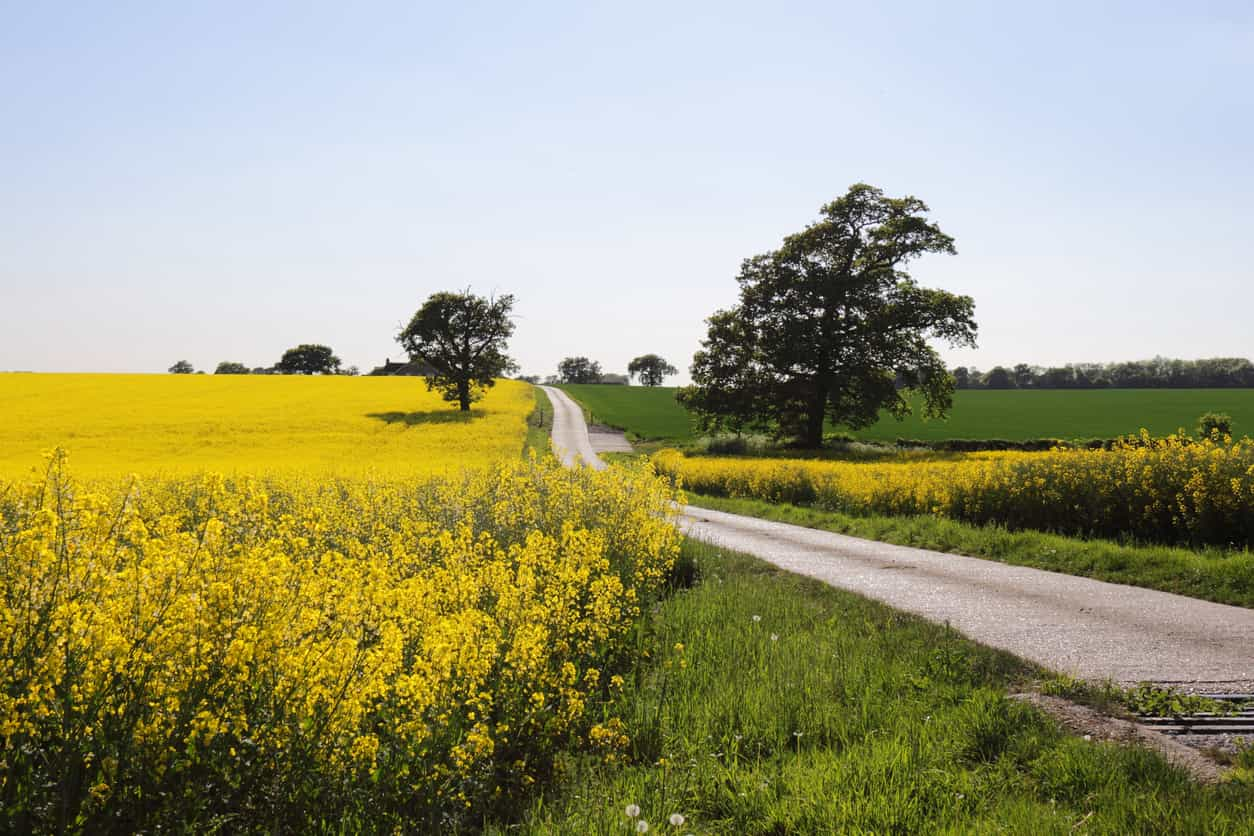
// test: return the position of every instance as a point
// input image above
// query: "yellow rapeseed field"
(277, 654)
(273, 603)
(1173, 490)
(115, 425)
(908, 484)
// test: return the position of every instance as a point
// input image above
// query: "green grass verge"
(539, 425)
(763, 702)
(649, 413)
(1226, 577)
(654, 414)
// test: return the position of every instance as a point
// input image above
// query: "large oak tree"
(463, 337)
(831, 327)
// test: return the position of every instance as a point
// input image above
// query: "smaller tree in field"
(579, 370)
(464, 338)
(181, 367)
(227, 367)
(651, 369)
(309, 358)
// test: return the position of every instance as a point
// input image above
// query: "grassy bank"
(762, 702)
(539, 425)
(1226, 577)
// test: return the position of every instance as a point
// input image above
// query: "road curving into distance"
(1082, 627)
(570, 432)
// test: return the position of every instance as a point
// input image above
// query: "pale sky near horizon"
(223, 181)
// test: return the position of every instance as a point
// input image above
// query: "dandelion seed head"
(633, 810)
(757, 618)
(642, 826)
(676, 819)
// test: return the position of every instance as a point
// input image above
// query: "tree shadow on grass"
(414, 419)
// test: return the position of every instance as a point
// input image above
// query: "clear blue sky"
(226, 181)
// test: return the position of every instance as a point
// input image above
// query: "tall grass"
(539, 425)
(764, 703)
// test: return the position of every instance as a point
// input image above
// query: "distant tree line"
(309, 358)
(1159, 373)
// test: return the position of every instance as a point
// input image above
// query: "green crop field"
(1061, 413)
(1013, 415)
(649, 413)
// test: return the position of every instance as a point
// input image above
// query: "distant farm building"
(408, 368)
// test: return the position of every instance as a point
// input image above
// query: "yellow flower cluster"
(176, 425)
(1174, 489)
(908, 484)
(302, 650)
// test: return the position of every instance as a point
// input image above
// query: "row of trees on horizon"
(652, 370)
(1158, 373)
(309, 358)
(648, 369)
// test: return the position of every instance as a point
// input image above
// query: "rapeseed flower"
(415, 647)
(1174, 490)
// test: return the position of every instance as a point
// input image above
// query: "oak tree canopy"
(463, 337)
(830, 327)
